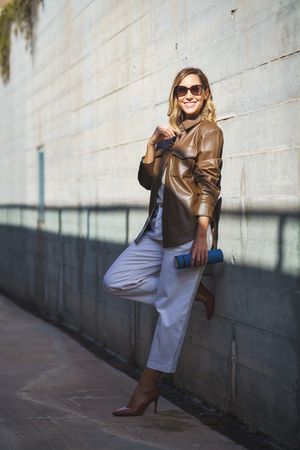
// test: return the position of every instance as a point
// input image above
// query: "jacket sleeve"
(145, 174)
(207, 172)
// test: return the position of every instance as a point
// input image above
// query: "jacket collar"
(189, 123)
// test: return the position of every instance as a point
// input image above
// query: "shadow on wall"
(246, 360)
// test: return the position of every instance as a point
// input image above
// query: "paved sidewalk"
(56, 395)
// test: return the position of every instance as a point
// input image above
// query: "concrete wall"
(91, 95)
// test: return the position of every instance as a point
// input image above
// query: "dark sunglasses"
(181, 91)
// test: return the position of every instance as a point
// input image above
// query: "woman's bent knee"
(118, 285)
(108, 282)
(113, 283)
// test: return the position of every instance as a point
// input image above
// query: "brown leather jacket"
(192, 184)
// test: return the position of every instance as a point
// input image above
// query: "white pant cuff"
(161, 367)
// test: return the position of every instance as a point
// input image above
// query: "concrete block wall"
(92, 94)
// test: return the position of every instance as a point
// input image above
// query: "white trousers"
(145, 272)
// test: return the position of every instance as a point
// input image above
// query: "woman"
(181, 168)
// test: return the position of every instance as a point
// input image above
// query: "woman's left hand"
(199, 252)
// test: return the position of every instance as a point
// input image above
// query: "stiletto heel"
(139, 410)
(205, 296)
(146, 392)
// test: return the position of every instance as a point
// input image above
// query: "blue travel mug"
(184, 261)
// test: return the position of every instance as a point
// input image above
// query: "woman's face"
(191, 104)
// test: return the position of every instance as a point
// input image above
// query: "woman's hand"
(161, 132)
(199, 249)
(199, 252)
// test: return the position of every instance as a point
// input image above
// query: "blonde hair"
(176, 116)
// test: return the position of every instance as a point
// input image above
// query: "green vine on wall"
(23, 14)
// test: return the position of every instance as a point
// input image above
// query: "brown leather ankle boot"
(146, 392)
